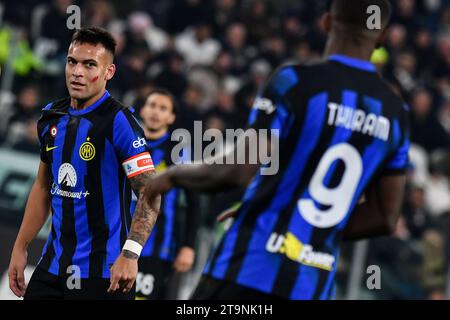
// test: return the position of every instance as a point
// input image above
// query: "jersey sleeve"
(42, 129)
(399, 162)
(130, 145)
(272, 108)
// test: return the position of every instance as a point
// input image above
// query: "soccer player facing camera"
(90, 162)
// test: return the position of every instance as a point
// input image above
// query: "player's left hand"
(123, 274)
(184, 260)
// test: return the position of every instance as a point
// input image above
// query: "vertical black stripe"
(68, 233)
(94, 204)
(159, 236)
(174, 236)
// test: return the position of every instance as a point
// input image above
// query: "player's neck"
(155, 135)
(342, 47)
(79, 104)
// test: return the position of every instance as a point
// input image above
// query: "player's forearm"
(210, 177)
(368, 220)
(365, 223)
(379, 214)
(145, 215)
(36, 213)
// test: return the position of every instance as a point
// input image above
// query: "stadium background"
(213, 55)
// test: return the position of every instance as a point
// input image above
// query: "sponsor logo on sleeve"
(139, 142)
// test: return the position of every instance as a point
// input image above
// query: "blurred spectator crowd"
(214, 55)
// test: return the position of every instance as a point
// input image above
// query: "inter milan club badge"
(53, 131)
(87, 150)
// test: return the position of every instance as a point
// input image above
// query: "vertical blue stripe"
(280, 84)
(330, 281)
(83, 235)
(285, 80)
(260, 270)
(305, 284)
(253, 116)
(373, 105)
(57, 200)
(111, 201)
(123, 195)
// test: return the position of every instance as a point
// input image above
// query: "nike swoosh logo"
(47, 148)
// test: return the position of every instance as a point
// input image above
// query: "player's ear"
(110, 71)
(326, 22)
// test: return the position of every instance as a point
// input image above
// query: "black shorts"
(213, 289)
(153, 280)
(45, 286)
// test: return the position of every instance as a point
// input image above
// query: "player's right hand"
(16, 272)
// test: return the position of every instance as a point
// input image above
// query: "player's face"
(157, 113)
(88, 68)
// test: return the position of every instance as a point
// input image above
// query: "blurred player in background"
(342, 133)
(170, 248)
(90, 161)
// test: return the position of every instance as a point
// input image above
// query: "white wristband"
(132, 246)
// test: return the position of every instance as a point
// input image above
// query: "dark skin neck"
(341, 44)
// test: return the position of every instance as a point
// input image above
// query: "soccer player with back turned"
(90, 162)
(343, 141)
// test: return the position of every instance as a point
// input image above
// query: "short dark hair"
(167, 93)
(95, 35)
(354, 12)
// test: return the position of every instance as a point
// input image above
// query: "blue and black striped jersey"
(91, 153)
(340, 126)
